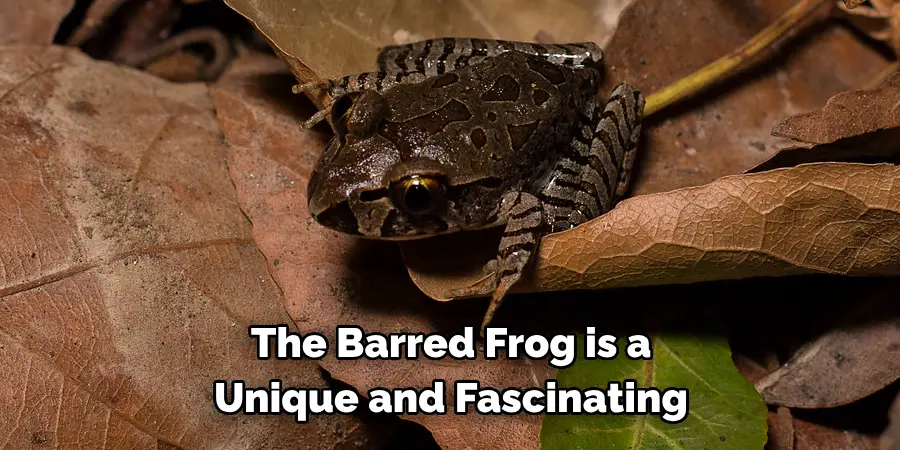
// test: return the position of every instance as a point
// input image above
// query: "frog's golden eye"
(418, 194)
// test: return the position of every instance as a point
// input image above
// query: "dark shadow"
(384, 431)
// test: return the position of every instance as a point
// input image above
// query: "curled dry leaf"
(880, 21)
(851, 362)
(31, 22)
(815, 218)
(330, 279)
(860, 124)
(723, 132)
(129, 275)
(847, 114)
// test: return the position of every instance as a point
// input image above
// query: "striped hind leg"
(619, 130)
(636, 108)
(594, 173)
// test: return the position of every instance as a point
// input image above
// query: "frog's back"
(504, 120)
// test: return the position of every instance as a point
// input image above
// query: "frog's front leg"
(524, 226)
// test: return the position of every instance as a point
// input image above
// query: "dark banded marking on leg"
(604, 147)
(632, 103)
(590, 165)
(617, 134)
(518, 244)
(614, 128)
(581, 194)
(585, 194)
(594, 169)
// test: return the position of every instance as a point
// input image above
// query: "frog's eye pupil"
(417, 198)
(418, 194)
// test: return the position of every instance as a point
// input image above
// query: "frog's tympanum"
(464, 134)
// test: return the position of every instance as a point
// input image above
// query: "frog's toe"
(491, 267)
(316, 118)
(309, 87)
(481, 287)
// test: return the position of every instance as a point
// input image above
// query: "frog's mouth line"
(419, 237)
(342, 219)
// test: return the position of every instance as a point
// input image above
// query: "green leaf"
(724, 410)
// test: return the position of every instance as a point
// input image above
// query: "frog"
(464, 134)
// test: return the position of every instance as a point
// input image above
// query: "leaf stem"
(728, 64)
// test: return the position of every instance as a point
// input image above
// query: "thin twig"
(728, 64)
(206, 35)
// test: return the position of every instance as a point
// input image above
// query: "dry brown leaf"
(333, 39)
(855, 125)
(812, 436)
(330, 279)
(724, 131)
(847, 114)
(857, 358)
(781, 430)
(129, 274)
(31, 22)
(880, 21)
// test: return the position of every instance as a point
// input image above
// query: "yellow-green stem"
(728, 64)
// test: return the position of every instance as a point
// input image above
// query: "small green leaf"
(724, 410)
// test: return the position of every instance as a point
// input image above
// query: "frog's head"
(362, 186)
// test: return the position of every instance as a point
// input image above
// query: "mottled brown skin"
(491, 133)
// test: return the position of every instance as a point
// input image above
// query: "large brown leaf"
(129, 276)
(330, 279)
(721, 132)
(31, 22)
(336, 38)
